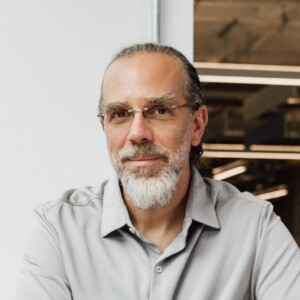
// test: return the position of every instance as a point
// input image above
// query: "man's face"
(142, 148)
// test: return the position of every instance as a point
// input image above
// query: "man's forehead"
(147, 73)
(148, 60)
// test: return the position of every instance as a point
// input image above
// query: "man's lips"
(143, 160)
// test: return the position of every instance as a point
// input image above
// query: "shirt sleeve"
(42, 274)
(276, 271)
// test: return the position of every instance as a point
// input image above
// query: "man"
(157, 230)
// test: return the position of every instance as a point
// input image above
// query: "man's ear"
(200, 119)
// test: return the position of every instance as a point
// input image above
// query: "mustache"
(148, 149)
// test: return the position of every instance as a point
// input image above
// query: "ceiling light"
(249, 80)
(241, 147)
(275, 148)
(248, 73)
(272, 193)
(230, 173)
(229, 170)
(252, 155)
(249, 67)
(224, 147)
(293, 100)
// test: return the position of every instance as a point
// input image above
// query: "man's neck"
(162, 225)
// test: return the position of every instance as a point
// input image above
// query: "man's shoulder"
(225, 195)
(241, 214)
(74, 198)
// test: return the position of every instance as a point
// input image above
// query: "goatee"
(150, 186)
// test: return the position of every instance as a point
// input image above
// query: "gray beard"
(153, 192)
(150, 187)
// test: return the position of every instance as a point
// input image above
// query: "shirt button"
(158, 269)
(131, 230)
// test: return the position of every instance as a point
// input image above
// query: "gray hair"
(192, 91)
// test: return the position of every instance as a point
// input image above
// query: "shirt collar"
(200, 206)
(115, 214)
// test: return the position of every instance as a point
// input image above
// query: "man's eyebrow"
(113, 105)
(164, 98)
(161, 98)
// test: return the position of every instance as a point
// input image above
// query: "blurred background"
(52, 57)
(248, 57)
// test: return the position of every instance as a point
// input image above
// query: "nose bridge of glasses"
(139, 127)
(138, 109)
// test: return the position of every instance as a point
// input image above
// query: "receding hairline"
(136, 54)
(133, 55)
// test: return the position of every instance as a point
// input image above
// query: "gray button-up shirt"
(232, 247)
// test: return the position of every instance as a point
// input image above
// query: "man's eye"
(119, 114)
(160, 110)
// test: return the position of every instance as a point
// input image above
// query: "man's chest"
(120, 266)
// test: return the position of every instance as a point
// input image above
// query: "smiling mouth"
(145, 160)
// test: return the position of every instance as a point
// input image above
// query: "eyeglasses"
(155, 112)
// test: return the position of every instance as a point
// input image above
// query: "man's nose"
(140, 130)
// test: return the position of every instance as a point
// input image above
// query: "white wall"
(52, 56)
